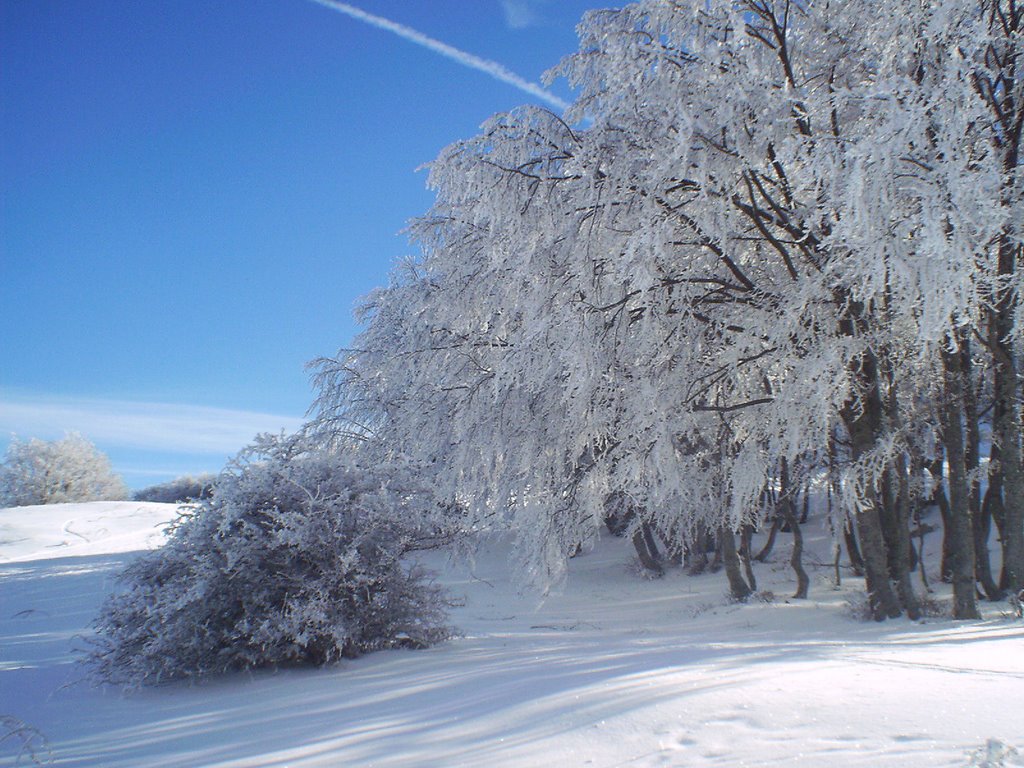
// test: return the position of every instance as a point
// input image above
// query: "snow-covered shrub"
(993, 755)
(181, 489)
(299, 556)
(67, 470)
(32, 747)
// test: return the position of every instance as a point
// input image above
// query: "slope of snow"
(613, 670)
(73, 530)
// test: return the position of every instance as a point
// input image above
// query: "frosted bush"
(299, 556)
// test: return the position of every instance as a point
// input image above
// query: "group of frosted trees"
(774, 246)
(55, 472)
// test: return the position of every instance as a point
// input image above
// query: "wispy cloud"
(189, 429)
(519, 14)
(493, 68)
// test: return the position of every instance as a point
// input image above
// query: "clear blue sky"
(194, 194)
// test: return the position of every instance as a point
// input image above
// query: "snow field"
(612, 670)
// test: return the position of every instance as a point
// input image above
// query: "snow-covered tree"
(997, 57)
(54, 472)
(759, 227)
(299, 556)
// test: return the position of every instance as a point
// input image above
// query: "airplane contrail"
(492, 68)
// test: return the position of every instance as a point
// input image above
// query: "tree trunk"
(881, 596)
(673, 545)
(852, 547)
(803, 583)
(1002, 66)
(738, 587)
(896, 524)
(863, 421)
(917, 507)
(960, 533)
(769, 544)
(981, 523)
(1006, 435)
(646, 549)
(940, 500)
(902, 555)
(696, 557)
(746, 542)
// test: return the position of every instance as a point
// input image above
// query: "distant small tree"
(300, 556)
(181, 489)
(68, 470)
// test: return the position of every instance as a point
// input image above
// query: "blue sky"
(193, 195)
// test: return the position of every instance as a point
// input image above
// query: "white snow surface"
(51, 531)
(613, 670)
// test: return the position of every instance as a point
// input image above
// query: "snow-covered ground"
(613, 670)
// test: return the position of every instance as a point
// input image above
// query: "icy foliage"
(754, 231)
(299, 556)
(68, 470)
(184, 488)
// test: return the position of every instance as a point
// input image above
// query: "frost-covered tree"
(757, 231)
(299, 556)
(54, 472)
(998, 75)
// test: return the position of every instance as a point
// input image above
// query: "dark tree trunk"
(673, 544)
(769, 544)
(1001, 66)
(837, 548)
(746, 541)
(619, 513)
(696, 557)
(905, 553)
(719, 556)
(981, 523)
(982, 529)
(896, 525)
(647, 550)
(852, 548)
(992, 504)
(939, 498)
(738, 587)
(863, 421)
(1006, 435)
(882, 598)
(917, 503)
(803, 583)
(960, 533)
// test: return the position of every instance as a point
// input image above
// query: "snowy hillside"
(76, 530)
(613, 670)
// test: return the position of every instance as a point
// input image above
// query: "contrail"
(492, 68)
